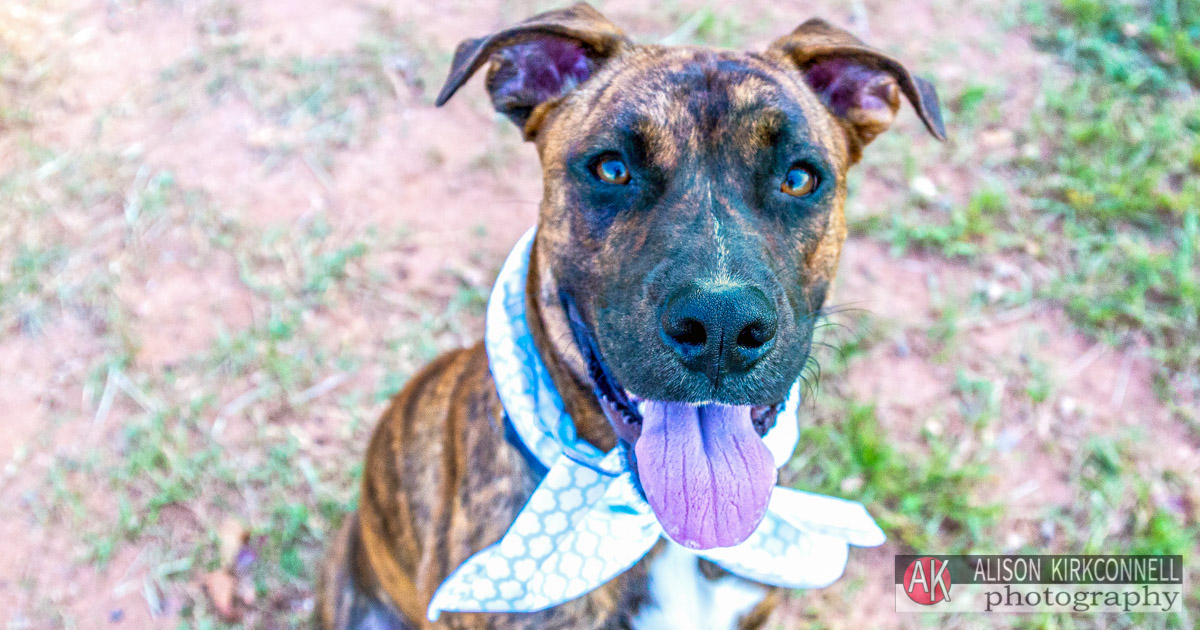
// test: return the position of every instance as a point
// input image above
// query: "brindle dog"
(690, 228)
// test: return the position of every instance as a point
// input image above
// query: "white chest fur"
(682, 598)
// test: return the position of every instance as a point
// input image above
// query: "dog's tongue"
(706, 473)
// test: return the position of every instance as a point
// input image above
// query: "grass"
(1126, 139)
(1132, 216)
(966, 232)
(211, 437)
(924, 498)
(1106, 193)
(1115, 511)
(1145, 45)
(190, 457)
(926, 492)
(1101, 193)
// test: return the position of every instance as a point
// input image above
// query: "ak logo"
(927, 581)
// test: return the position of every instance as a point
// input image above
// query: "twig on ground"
(1122, 383)
(1085, 361)
(327, 385)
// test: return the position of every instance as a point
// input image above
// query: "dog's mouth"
(703, 467)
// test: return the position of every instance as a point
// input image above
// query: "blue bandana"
(586, 523)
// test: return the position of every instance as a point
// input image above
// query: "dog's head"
(690, 227)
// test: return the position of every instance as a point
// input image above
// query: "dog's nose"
(719, 330)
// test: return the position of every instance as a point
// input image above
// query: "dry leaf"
(221, 588)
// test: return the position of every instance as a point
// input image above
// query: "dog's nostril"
(690, 332)
(753, 336)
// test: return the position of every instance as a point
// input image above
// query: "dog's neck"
(552, 336)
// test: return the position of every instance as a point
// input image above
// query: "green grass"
(1101, 191)
(307, 106)
(925, 491)
(921, 496)
(1117, 509)
(1105, 188)
(180, 473)
(1123, 179)
(958, 231)
(216, 435)
(1147, 45)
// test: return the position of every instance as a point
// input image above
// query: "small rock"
(1048, 530)
(994, 291)
(924, 187)
(1008, 440)
(232, 537)
(996, 138)
(1005, 270)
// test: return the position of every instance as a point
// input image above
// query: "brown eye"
(799, 182)
(611, 170)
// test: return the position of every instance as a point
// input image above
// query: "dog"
(690, 228)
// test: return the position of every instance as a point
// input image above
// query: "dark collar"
(536, 466)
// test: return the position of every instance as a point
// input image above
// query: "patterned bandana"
(586, 523)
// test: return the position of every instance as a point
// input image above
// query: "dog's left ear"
(858, 84)
(537, 62)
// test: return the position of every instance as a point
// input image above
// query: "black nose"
(719, 330)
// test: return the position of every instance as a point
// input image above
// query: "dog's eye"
(610, 169)
(799, 181)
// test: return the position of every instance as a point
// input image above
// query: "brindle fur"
(441, 482)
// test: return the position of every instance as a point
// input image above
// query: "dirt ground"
(242, 224)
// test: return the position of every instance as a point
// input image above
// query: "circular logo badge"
(927, 581)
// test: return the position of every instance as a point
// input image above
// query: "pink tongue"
(706, 473)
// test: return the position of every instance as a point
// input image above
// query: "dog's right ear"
(861, 86)
(537, 62)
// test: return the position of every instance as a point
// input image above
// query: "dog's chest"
(682, 598)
